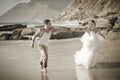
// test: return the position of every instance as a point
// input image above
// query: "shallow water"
(20, 62)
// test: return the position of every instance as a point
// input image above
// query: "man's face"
(49, 24)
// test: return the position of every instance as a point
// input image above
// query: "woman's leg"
(44, 56)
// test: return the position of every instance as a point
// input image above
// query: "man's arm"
(60, 29)
(33, 38)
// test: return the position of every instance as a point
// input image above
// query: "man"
(44, 33)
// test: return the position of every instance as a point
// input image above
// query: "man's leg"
(41, 56)
(44, 56)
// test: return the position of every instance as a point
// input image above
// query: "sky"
(5, 5)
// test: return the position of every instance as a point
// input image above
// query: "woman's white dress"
(87, 55)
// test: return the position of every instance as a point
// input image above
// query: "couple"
(83, 57)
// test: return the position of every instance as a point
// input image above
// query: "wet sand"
(20, 62)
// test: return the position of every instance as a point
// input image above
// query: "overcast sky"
(8, 4)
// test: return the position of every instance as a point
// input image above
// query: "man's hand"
(32, 45)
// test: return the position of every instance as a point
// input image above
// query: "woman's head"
(92, 24)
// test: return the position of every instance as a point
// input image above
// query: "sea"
(40, 23)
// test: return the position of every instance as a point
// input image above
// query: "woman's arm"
(101, 34)
(86, 29)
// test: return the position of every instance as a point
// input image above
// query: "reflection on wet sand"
(44, 75)
(103, 71)
(83, 74)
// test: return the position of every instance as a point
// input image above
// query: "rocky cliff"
(82, 9)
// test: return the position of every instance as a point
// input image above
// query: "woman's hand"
(101, 34)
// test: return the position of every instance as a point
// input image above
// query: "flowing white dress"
(88, 53)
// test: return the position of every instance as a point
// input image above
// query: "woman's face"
(92, 25)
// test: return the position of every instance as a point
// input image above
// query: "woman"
(86, 56)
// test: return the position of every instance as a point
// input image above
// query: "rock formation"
(82, 9)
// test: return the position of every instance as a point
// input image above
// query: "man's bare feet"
(45, 65)
(41, 66)
(45, 70)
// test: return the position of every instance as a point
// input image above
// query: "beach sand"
(20, 62)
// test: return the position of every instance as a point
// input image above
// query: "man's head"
(47, 22)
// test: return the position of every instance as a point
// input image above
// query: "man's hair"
(46, 21)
